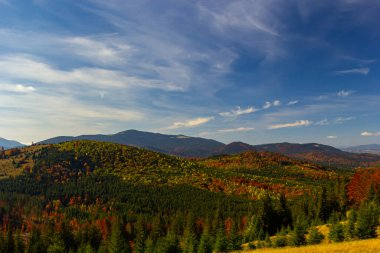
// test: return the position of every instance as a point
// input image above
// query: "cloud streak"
(238, 111)
(344, 93)
(362, 71)
(367, 134)
(190, 123)
(27, 69)
(293, 124)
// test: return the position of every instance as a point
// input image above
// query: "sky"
(258, 71)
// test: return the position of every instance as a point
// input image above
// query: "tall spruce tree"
(117, 243)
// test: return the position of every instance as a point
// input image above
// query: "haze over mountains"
(9, 143)
(186, 146)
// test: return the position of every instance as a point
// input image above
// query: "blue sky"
(257, 71)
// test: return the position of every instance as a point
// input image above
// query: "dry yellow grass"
(370, 246)
(8, 166)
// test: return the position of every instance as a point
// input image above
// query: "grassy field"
(16, 164)
(372, 245)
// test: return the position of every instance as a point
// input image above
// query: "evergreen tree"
(149, 245)
(367, 220)
(117, 243)
(35, 244)
(322, 207)
(234, 240)
(56, 245)
(158, 229)
(168, 244)
(190, 240)
(315, 237)
(297, 237)
(205, 244)
(336, 232)
(221, 242)
(9, 244)
(19, 243)
(140, 236)
(349, 229)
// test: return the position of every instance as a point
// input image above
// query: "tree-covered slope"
(90, 195)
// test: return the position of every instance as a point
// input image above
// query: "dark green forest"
(88, 196)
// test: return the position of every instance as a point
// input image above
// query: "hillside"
(314, 152)
(179, 145)
(81, 186)
(185, 146)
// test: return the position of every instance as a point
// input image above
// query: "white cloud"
(294, 124)
(362, 71)
(27, 69)
(102, 50)
(20, 88)
(344, 93)
(343, 119)
(276, 103)
(332, 137)
(191, 123)
(233, 130)
(370, 134)
(267, 105)
(323, 122)
(293, 102)
(238, 111)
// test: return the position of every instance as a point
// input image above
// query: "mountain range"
(186, 146)
(9, 144)
(371, 149)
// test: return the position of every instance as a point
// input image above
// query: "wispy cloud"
(370, 134)
(343, 119)
(25, 68)
(238, 111)
(362, 71)
(276, 103)
(228, 130)
(293, 102)
(190, 123)
(20, 88)
(323, 122)
(344, 93)
(234, 130)
(293, 124)
(332, 137)
(267, 105)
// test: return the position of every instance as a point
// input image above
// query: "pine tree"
(221, 242)
(56, 245)
(322, 207)
(336, 232)
(349, 229)
(315, 237)
(190, 241)
(35, 244)
(234, 241)
(367, 220)
(149, 245)
(9, 245)
(19, 243)
(140, 236)
(297, 237)
(117, 243)
(205, 245)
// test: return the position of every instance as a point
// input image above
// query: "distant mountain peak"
(9, 143)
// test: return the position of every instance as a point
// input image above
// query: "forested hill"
(179, 145)
(186, 146)
(103, 197)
